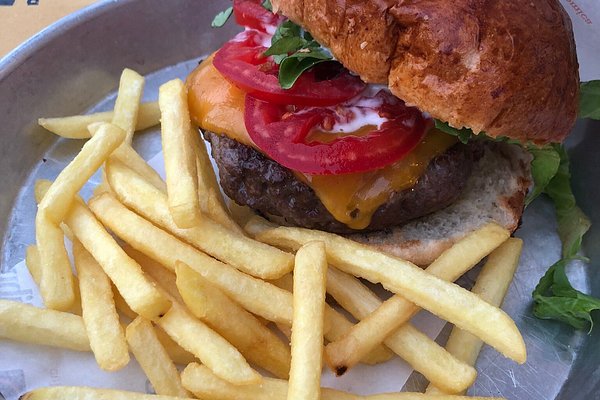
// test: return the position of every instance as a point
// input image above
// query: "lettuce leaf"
(544, 167)
(589, 100)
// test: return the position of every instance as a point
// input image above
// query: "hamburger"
(401, 124)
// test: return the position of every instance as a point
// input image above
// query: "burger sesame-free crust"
(500, 67)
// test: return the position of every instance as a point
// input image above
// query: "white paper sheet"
(25, 367)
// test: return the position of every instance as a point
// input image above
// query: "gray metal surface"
(74, 66)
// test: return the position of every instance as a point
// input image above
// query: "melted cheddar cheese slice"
(218, 106)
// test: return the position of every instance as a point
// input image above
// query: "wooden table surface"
(20, 20)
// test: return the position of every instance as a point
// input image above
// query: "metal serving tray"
(74, 66)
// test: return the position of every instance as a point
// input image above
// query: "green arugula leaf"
(589, 100)
(267, 4)
(222, 17)
(295, 51)
(464, 134)
(543, 168)
(285, 45)
(292, 67)
(572, 222)
(555, 298)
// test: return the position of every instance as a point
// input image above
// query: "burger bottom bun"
(495, 191)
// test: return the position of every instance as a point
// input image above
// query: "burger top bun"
(506, 68)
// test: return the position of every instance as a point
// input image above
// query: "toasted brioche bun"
(500, 67)
(494, 192)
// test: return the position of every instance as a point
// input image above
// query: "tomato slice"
(241, 62)
(281, 132)
(252, 14)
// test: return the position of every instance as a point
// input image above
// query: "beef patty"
(250, 178)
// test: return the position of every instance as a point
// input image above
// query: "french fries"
(491, 285)
(176, 352)
(442, 298)
(383, 321)
(32, 260)
(87, 393)
(76, 127)
(60, 195)
(241, 252)
(254, 340)
(210, 348)
(100, 317)
(336, 327)
(418, 350)
(310, 275)
(205, 385)
(255, 295)
(127, 104)
(28, 324)
(139, 293)
(154, 359)
(56, 278)
(211, 198)
(179, 154)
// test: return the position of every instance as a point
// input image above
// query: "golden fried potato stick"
(491, 285)
(137, 290)
(242, 329)
(127, 104)
(255, 295)
(310, 275)
(154, 359)
(76, 126)
(56, 277)
(179, 155)
(28, 324)
(241, 252)
(447, 300)
(337, 327)
(106, 336)
(61, 194)
(413, 346)
(382, 322)
(205, 385)
(87, 393)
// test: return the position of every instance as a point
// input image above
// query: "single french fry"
(337, 326)
(139, 293)
(179, 154)
(210, 348)
(382, 322)
(205, 385)
(32, 260)
(75, 127)
(241, 252)
(121, 305)
(56, 278)
(59, 197)
(100, 317)
(447, 300)
(127, 104)
(176, 352)
(128, 156)
(491, 285)
(161, 274)
(310, 275)
(28, 324)
(255, 295)
(416, 348)
(87, 393)
(41, 187)
(154, 359)
(254, 340)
